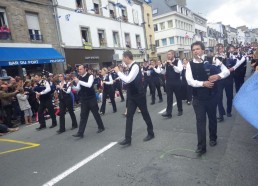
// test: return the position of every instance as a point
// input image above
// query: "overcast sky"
(233, 12)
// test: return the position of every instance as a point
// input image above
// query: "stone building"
(31, 35)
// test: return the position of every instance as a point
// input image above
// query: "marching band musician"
(65, 103)
(108, 90)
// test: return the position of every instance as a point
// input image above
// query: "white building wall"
(70, 29)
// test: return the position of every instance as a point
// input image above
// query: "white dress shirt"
(47, 85)
(68, 91)
(195, 83)
(132, 74)
(177, 69)
(110, 82)
(85, 84)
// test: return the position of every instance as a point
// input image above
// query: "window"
(151, 39)
(162, 26)
(102, 38)
(172, 40)
(112, 11)
(170, 24)
(164, 42)
(138, 41)
(182, 10)
(116, 39)
(96, 5)
(127, 40)
(33, 27)
(176, 24)
(182, 25)
(157, 43)
(155, 27)
(135, 17)
(124, 15)
(79, 5)
(85, 35)
(4, 30)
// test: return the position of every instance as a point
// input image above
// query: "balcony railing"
(5, 36)
(36, 37)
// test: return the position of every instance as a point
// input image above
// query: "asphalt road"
(169, 159)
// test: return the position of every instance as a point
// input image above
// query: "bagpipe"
(209, 67)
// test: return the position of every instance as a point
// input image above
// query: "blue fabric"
(12, 56)
(246, 100)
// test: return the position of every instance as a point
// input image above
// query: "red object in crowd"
(4, 29)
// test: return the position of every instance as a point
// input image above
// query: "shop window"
(116, 39)
(127, 40)
(112, 11)
(124, 15)
(5, 32)
(138, 41)
(102, 38)
(33, 27)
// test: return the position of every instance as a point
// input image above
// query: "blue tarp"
(12, 56)
(246, 102)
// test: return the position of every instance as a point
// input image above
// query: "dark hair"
(38, 74)
(172, 51)
(199, 43)
(219, 45)
(128, 54)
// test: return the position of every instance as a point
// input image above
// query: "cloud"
(233, 12)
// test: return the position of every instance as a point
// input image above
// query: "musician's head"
(38, 77)
(198, 49)
(145, 63)
(231, 49)
(170, 55)
(4, 87)
(104, 71)
(61, 77)
(127, 57)
(185, 61)
(220, 48)
(82, 70)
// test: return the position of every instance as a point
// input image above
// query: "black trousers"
(111, 93)
(46, 103)
(187, 91)
(8, 112)
(155, 84)
(201, 108)
(86, 107)
(227, 85)
(176, 89)
(66, 104)
(118, 86)
(239, 81)
(146, 83)
(133, 103)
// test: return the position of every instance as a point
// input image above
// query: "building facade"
(174, 28)
(96, 32)
(29, 26)
(200, 27)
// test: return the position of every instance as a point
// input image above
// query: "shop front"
(18, 61)
(94, 59)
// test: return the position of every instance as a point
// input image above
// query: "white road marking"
(79, 165)
(161, 112)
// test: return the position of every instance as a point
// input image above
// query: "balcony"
(36, 37)
(5, 36)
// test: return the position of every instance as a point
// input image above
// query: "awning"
(12, 56)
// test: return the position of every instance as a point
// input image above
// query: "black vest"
(107, 87)
(145, 74)
(63, 95)
(172, 76)
(39, 88)
(199, 73)
(86, 93)
(241, 70)
(135, 88)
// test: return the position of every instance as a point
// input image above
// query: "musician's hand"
(116, 69)
(208, 84)
(104, 82)
(16, 91)
(214, 78)
(37, 94)
(231, 69)
(58, 86)
(76, 79)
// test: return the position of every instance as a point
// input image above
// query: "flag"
(186, 35)
(246, 100)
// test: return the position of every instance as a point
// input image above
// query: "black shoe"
(78, 135)
(188, 103)
(52, 126)
(180, 113)
(161, 100)
(213, 143)
(148, 137)
(200, 151)
(125, 143)
(166, 115)
(41, 127)
(100, 130)
(73, 127)
(101, 113)
(229, 115)
(60, 131)
(152, 103)
(220, 119)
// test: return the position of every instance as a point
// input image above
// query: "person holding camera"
(43, 93)
(65, 103)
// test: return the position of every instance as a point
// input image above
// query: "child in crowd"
(25, 106)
